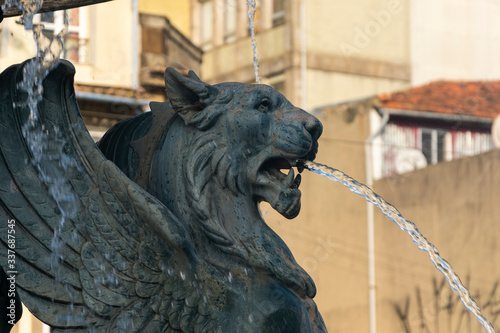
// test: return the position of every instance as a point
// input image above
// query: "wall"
(16, 44)
(369, 29)
(455, 39)
(178, 12)
(352, 50)
(326, 88)
(456, 206)
(110, 45)
(234, 62)
(356, 49)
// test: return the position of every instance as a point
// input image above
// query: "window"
(433, 145)
(229, 20)
(206, 26)
(278, 12)
(75, 41)
(406, 147)
(2, 41)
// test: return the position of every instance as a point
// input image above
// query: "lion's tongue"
(285, 180)
(276, 179)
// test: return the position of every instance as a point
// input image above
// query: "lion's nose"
(313, 126)
(309, 122)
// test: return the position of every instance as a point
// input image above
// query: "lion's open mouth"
(274, 168)
(277, 184)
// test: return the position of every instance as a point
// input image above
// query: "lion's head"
(212, 153)
(244, 135)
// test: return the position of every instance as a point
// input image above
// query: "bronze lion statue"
(168, 236)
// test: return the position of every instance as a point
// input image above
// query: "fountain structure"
(158, 228)
(164, 231)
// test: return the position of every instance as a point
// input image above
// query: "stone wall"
(456, 205)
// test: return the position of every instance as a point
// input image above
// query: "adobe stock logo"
(363, 36)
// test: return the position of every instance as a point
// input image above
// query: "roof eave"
(438, 116)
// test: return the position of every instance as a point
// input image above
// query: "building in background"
(321, 52)
(303, 48)
(428, 150)
(436, 122)
(120, 51)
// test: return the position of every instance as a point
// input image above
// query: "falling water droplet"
(251, 16)
(55, 168)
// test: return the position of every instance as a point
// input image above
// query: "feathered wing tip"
(25, 198)
(114, 250)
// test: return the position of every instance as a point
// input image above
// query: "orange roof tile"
(478, 99)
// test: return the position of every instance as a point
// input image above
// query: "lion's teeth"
(275, 173)
(297, 181)
(288, 181)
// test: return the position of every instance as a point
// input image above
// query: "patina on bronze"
(48, 6)
(170, 237)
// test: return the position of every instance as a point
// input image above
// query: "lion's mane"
(206, 161)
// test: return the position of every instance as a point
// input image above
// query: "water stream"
(422, 243)
(46, 143)
(251, 16)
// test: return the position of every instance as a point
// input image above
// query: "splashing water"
(251, 16)
(46, 143)
(423, 244)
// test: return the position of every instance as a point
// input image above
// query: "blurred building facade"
(301, 48)
(120, 50)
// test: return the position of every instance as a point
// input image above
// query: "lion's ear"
(188, 95)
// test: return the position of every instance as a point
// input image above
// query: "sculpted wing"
(124, 255)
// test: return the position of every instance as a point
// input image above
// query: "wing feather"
(125, 255)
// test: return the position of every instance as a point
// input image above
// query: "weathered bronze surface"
(182, 247)
(50, 6)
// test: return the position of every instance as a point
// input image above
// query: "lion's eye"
(264, 105)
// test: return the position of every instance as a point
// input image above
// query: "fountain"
(158, 228)
(185, 248)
